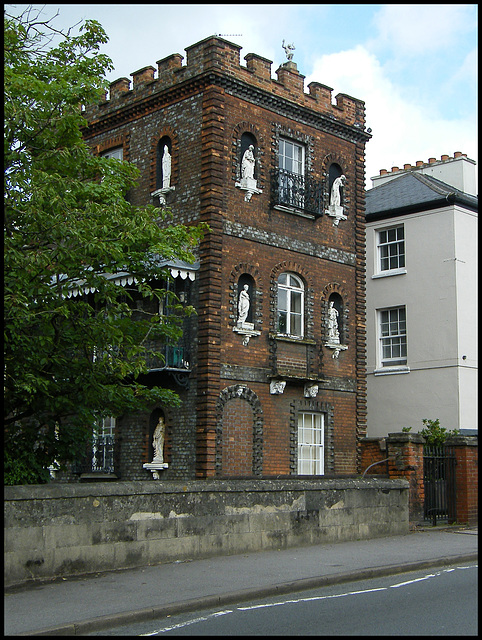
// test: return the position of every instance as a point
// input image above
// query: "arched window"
(290, 305)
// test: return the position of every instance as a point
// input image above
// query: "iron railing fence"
(439, 483)
(296, 191)
(99, 458)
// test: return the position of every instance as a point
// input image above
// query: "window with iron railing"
(99, 458)
(298, 192)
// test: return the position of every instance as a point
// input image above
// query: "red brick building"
(278, 388)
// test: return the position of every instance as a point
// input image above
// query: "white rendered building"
(421, 250)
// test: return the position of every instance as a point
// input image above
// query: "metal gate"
(439, 484)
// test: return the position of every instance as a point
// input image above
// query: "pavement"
(82, 605)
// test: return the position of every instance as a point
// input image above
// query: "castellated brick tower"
(274, 384)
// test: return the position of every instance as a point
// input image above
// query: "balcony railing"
(174, 357)
(100, 458)
(297, 192)
(103, 454)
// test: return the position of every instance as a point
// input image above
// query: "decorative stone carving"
(157, 463)
(289, 48)
(166, 168)
(310, 390)
(243, 327)
(276, 387)
(243, 305)
(333, 332)
(248, 182)
(161, 194)
(336, 348)
(336, 209)
(158, 441)
(166, 178)
(247, 163)
(333, 341)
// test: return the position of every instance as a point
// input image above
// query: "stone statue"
(247, 163)
(166, 168)
(158, 441)
(335, 198)
(243, 304)
(289, 48)
(333, 333)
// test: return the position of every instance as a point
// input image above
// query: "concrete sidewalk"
(77, 606)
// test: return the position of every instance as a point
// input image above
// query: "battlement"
(214, 54)
(458, 171)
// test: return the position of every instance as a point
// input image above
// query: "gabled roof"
(413, 192)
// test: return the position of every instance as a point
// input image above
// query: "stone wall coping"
(65, 490)
(461, 440)
(406, 437)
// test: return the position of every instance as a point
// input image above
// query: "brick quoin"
(207, 106)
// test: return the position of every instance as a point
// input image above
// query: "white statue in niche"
(335, 199)
(248, 182)
(333, 332)
(247, 163)
(158, 441)
(243, 305)
(166, 178)
(335, 210)
(166, 168)
(289, 48)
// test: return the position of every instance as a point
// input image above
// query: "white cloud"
(416, 29)
(403, 131)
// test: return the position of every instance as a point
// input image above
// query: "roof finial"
(289, 48)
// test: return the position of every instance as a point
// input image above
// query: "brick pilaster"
(406, 461)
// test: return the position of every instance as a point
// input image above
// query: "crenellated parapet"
(215, 60)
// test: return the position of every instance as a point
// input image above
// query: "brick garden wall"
(405, 451)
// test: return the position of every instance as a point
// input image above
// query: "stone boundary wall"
(73, 529)
(400, 455)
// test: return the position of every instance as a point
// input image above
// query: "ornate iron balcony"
(296, 191)
(175, 357)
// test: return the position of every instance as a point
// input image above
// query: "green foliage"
(406, 429)
(434, 434)
(69, 360)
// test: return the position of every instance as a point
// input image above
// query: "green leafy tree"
(69, 360)
(434, 434)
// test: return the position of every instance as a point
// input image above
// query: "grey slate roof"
(413, 192)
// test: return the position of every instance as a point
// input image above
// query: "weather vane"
(289, 48)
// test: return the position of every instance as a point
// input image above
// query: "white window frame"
(104, 427)
(117, 153)
(287, 294)
(288, 161)
(390, 248)
(392, 338)
(311, 444)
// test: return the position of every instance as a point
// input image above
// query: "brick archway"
(239, 433)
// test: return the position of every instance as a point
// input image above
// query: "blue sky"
(414, 65)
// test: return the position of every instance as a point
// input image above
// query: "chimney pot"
(394, 169)
(383, 172)
(432, 160)
(407, 166)
(457, 154)
(419, 163)
(444, 158)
